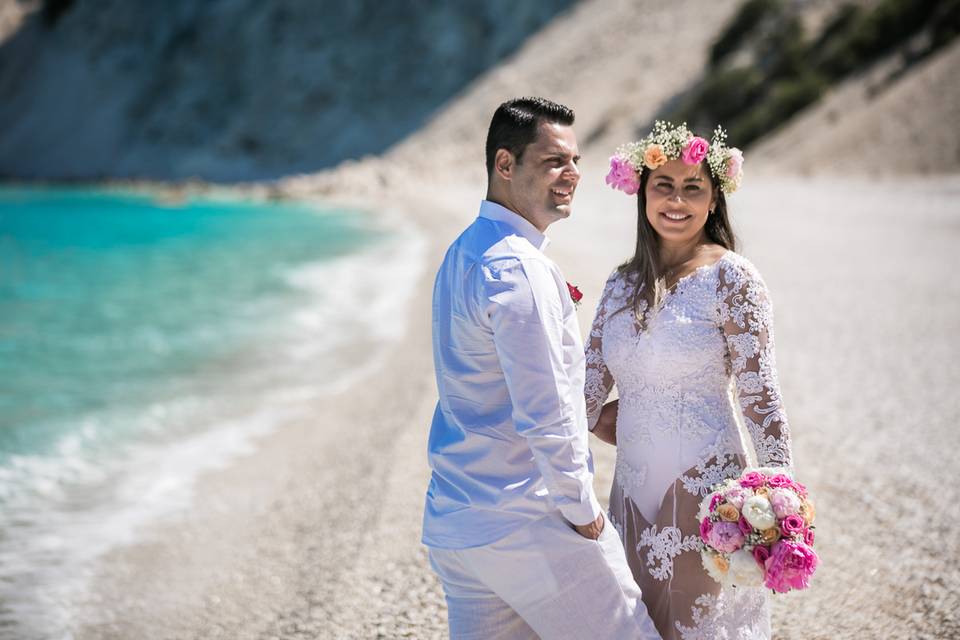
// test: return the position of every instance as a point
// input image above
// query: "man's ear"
(503, 164)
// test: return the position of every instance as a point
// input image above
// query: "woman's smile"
(675, 216)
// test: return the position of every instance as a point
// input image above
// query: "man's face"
(542, 183)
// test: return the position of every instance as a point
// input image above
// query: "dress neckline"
(703, 267)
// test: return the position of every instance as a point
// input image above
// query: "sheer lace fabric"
(685, 372)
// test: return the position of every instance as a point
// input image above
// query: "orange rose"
(769, 536)
(654, 156)
(728, 512)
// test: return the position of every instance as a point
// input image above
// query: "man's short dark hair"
(515, 123)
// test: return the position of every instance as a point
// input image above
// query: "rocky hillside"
(234, 89)
(394, 93)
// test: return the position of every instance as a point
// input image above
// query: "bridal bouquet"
(758, 530)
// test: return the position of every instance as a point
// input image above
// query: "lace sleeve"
(598, 382)
(746, 317)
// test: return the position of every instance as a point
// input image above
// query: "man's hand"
(606, 428)
(592, 530)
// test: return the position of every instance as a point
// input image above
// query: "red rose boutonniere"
(575, 294)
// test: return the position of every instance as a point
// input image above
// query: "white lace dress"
(683, 375)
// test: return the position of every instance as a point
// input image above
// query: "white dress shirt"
(508, 443)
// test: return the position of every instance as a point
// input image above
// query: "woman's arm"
(746, 317)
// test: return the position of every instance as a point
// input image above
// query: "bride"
(684, 329)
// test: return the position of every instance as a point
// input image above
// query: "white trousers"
(543, 581)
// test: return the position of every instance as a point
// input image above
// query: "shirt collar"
(493, 211)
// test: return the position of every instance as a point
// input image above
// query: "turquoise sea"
(143, 342)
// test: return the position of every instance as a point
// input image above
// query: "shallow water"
(142, 343)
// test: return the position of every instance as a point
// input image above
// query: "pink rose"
(725, 537)
(779, 480)
(808, 537)
(695, 150)
(760, 554)
(799, 488)
(752, 480)
(792, 524)
(745, 527)
(734, 162)
(714, 501)
(705, 527)
(784, 502)
(623, 176)
(790, 566)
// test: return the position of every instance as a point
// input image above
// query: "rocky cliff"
(231, 90)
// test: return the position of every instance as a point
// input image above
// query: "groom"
(514, 529)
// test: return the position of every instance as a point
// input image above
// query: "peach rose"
(654, 156)
(808, 511)
(769, 536)
(721, 563)
(728, 512)
(762, 491)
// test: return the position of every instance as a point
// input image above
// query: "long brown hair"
(643, 271)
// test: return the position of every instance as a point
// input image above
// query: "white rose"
(759, 513)
(744, 570)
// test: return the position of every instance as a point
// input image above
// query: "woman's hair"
(644, 271)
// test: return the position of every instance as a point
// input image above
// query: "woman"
(685, 331)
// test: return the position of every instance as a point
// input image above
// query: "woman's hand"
(606, 428)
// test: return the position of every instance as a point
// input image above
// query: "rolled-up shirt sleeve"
(526, 316)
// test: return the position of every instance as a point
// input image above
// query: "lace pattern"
(728, 615)
(663, 548)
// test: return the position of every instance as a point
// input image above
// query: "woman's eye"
(665, 186)
(692, 187)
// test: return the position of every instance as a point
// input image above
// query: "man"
(514, 529)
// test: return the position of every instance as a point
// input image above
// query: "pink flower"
(784, 502)
(790, 566)
(725, 537)
(705, 527)
(734, 162)
(714, 501)
(779, 480)
(760, 554)
(792, 524)
(623, 176)
(745, 527)
(695, 150)
(799, 488)
(736, 496)
(808, 537)
(752, 480)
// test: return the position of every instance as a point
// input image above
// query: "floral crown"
(667, 142)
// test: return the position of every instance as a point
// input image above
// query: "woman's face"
(679, 198)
